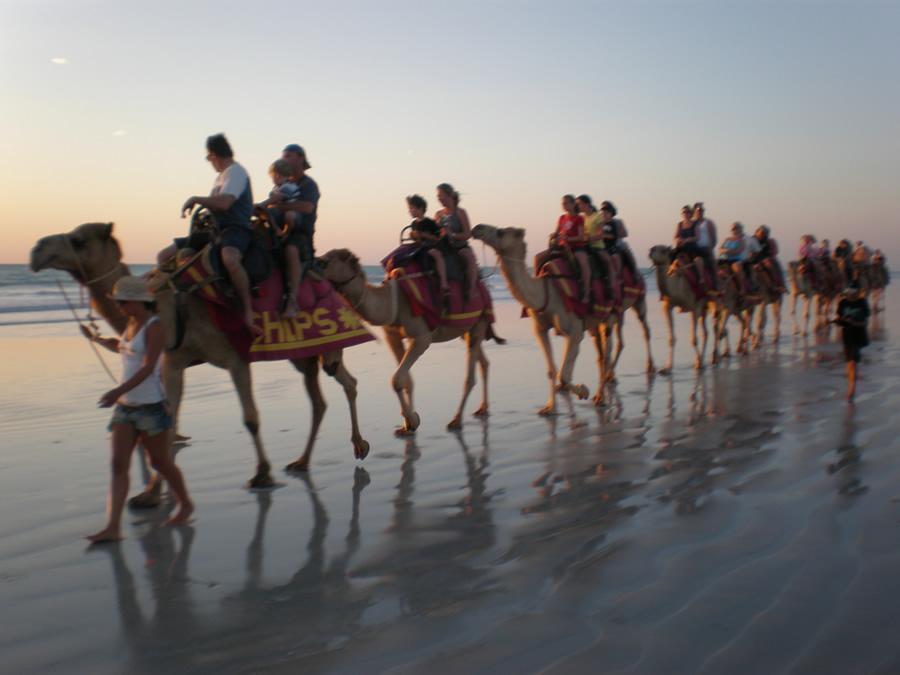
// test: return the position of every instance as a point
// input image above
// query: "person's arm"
(620, 228)
(464, 225)
(155, 339)
(220, 202)
(111, 343)
(773, 248)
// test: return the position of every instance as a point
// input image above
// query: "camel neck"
(374, 303)
(103, 305)
(528, 290)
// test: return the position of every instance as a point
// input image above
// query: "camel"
(548, 310)
(733, 302)
(675, 291)
(802, 287)
(92, 256)
(770, 296)
(386, 305)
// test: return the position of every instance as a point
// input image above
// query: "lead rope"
(93, 329)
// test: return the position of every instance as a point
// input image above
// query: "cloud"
(59, 60)
(119, 132)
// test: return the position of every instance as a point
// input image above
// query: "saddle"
(414, 252)
(702, 287)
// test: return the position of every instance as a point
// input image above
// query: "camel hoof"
(581, 392)
(144, 500)
(404, 432)
(261, 481)
(547, 411)
(665, 371)
(300, 466)
(361, 449)
(481, 412)
(612, 379)
(413, 423)
(455, 424)
(598, 401)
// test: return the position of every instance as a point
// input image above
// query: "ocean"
(29, 298)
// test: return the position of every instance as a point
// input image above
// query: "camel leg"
(667, 311)
(620, 345)
(641, 310)
(776, 319)
(705, 339)
(243, 384)
(348, 383)
(573, 343)
(472, 345)
(543, 338)
(601, 340)
(403, 381)
(760, 336)
(398, 349)
(484, 365)
(698, 356)
(807, 302)
(309, 368)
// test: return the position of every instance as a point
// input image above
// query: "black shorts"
(853, 351)
(299, 236)
(236, 236)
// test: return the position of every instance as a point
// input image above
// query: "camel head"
(340, 266)
(89, 249)
(508, 241)
(659, 255)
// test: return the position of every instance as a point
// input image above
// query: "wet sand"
(743, 519)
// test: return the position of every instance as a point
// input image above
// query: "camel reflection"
(430, 562)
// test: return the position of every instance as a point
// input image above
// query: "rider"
(767, 257)
(593, 227)
(734, 252)
(427, 234)
(287, 191)
(807, 254)
(570, 234)
(841, 255)
(706, 241)
(231, 203)
(614, 234)
(299, 252)
(454, 223)
(686, 240)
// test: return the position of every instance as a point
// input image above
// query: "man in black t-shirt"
(852, 317)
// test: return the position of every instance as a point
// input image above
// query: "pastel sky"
(784, 113)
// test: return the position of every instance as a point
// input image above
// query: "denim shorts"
(151, 418)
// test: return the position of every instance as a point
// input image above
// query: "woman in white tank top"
(141, 412)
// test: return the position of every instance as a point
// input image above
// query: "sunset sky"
(786, 113)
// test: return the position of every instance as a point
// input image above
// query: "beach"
(739, 519)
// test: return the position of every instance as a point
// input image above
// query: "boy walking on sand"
(852, 316)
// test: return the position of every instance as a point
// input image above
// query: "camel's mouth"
(485, 233)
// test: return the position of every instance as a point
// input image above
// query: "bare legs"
(851, 380)
(124, 439)
(231, 258)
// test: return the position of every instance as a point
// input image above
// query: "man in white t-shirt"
(706, 241)
(231, 202)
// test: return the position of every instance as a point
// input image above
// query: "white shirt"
(151, 389)
(751, 246)
(232, 181)
(704, 238)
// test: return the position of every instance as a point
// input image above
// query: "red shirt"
(571, 227)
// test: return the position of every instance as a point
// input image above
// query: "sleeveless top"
(150, 390)
(611, 231)
(451, 223)
(594, 228)
(685, 231)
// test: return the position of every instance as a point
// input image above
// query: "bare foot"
(291, 310)
(105, 536)
(255, 330)
(182, 517)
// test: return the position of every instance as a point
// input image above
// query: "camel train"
(91, 254)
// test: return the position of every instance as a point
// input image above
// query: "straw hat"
(132, 288)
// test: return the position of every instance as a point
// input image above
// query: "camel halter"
(392, 284)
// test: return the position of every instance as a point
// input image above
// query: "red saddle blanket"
(325, 323)
(419, 290)
(700, 290)
(563, 277)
